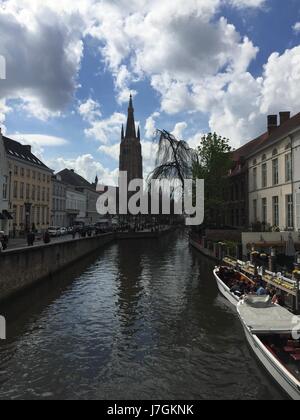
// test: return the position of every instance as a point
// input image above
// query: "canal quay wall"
(22, 268)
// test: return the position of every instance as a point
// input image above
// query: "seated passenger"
(261, 291)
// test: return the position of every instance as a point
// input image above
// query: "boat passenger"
(261, 291)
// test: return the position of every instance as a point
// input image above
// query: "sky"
(193, 66)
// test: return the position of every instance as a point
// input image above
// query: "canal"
(141, 320)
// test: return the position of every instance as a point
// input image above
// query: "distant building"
(4, 189)
(79, 189)
(30, 188)
(131, 160)
(76, 207)
(59, 198)
(274, 175)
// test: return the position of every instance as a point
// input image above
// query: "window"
(22, 190)
(288, 167)
(275, 172)
(27, 191)
(264, 175)
(28, 173)
(275, 152)
(255, 178)
(38, 193)
(255, 211)
(33, 193)
(264, 158)
(290, 211)
(264, 210)
(16, 171)
(276, 211)
(5, 187)
(22, 172)
(15, 189)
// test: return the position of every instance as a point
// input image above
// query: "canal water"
(141, 320)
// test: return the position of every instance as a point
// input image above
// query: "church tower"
(131, 160)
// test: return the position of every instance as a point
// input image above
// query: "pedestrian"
(30, 238)
(46, 238)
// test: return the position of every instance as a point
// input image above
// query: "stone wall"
(20, 269)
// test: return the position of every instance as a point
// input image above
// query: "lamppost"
(27, 216)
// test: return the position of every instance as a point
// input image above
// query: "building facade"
(5, 216)
(274, 176)
(30, 189)
(59, 198)
(76, 207)
(84, 189)
(131, 160)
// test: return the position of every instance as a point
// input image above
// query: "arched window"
(264, 158)
(275, 152)
(254, 162)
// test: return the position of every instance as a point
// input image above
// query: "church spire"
(130, 129)
(122, 133)
(139, 133)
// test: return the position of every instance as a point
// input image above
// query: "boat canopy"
(262, 317)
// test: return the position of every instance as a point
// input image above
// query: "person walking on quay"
(3, 241)
(46, 238)
(30, 238)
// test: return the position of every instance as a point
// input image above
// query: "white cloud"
(179, 130)
(150, 126)
(296, 27)
(90, 110)
(39, 140)
(107, 130)
(88, 167)
(43, 48)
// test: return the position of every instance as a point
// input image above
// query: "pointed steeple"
(139, 133)
(130, 129)
(122, 133)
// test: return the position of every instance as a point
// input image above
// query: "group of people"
(241, 288)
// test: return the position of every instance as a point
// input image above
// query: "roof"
(261, 316)
(70, 177)
(22, 152)
(264, 140)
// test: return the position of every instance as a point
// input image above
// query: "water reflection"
(143, 320)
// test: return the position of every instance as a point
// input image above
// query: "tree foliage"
(213, 164)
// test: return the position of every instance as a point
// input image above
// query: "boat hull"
(275, 369)
(225, 291)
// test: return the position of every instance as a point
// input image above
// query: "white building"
(274, 175)
(4, 189)
(76, 206)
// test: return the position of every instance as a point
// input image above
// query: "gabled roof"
(240, 155)
(70, 177)
(19, 151)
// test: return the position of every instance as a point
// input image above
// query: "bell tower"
(131, 160)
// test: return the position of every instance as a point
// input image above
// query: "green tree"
(213, 165)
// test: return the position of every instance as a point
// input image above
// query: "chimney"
(272, 123)
(284, 117)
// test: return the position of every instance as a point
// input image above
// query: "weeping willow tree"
(174, 159)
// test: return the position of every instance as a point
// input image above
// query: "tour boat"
(225, 278)
(273, 334)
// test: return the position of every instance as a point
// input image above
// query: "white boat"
(225, 276)
(272, 333)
